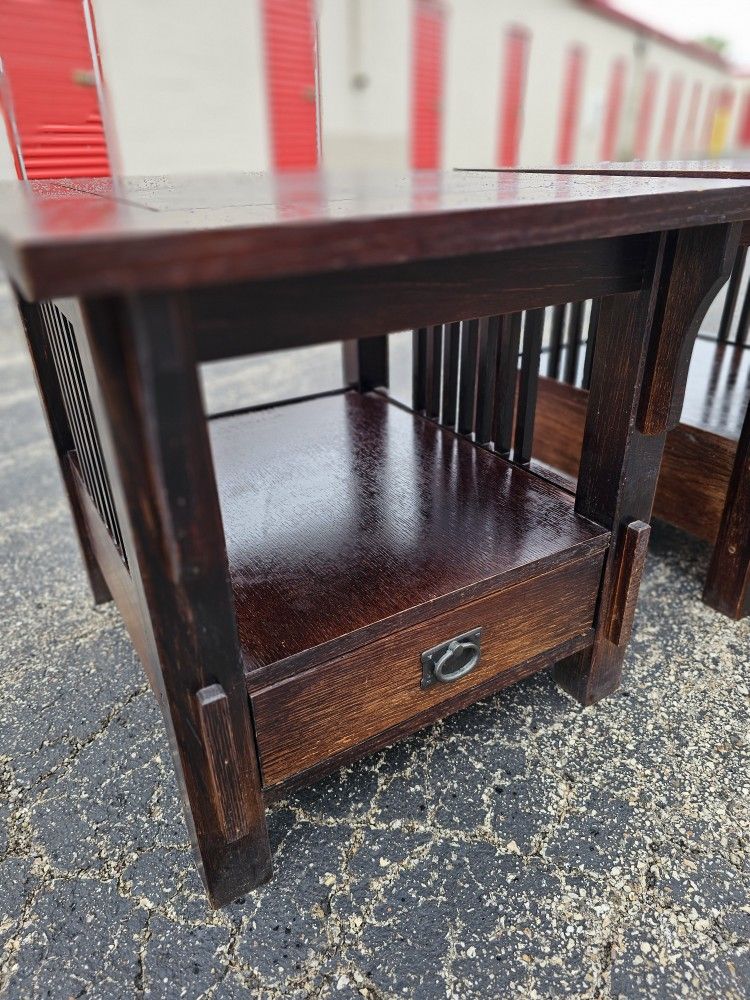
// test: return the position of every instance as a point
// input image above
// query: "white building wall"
(364, 49)
(476, 36)
(7, 164)
(185, 80)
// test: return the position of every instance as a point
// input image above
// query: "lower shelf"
(360, 535)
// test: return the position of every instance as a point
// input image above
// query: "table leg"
(154, 434)
(61, 432)
(637, 387)
(365, 363)
(728, 581)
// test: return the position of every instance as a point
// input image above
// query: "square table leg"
(728, 581)
(635, 398)
(147, 401)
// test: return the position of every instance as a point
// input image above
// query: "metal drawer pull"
(451, 660)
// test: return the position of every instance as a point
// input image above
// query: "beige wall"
(186, 83)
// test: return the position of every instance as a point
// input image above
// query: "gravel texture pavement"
(523, 848)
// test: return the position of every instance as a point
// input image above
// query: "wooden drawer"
(322, 713)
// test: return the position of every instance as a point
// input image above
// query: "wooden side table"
(707, 456)
(309, 581)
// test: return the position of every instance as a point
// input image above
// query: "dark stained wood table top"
(102, 235)
(727, 168)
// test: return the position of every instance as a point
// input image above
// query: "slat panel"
(507, 368)
(451, 347)
(434, 372)
(575, 337)
(591, 342)
(419, 370)
(67, 362)
(533, 330)
(467, 392)
(486, 377)
(557, 330)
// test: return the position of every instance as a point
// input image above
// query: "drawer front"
(331, 708)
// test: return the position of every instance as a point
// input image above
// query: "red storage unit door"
(645, 114)
(570, 108)
(49, 76)
(290, 51)
(513, 86)
(427, 84)
(613, 113)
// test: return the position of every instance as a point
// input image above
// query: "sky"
(689, 19)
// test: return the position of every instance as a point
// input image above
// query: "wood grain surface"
(347, 517)
(106, 235)
(322, 712)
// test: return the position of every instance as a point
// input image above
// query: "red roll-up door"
(645, 114)
(427, 84)
(513, 86)
(289, 39)
(571, 106)
(49, 79)
(613, 113)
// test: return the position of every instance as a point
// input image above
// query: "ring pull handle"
(451, 660)
(457, 661)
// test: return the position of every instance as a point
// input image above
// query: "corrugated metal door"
(289, 38)
(49, 79)
(512, 87)
(427, 84)
(570, 108)
(613, 112)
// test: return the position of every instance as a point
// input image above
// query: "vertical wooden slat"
(433, 371)
(75, 395)
(728, 581)
(366, 363)
(533, 330)
(591, 342)
(487, 374)
(419, 370)
(451, 346)
(733, 291)
(575, 337)
(743, 323)
(467, 392)
(58, 420)
(556, 338)
(507, 368)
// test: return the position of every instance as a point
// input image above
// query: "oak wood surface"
(347, 517)
(697, 463)
(146, 399)
(732, 168)
(455, 703)
(111, 234)
(630, 565)
(227, 320)
(728, 581)
(62, 439)
(699, 261)
(322, 712)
